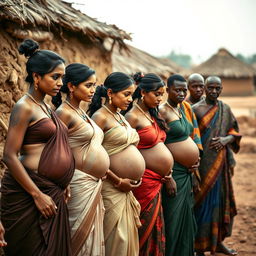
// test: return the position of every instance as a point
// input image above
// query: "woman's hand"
(67, 194)
(45, 205)
(194, 167)
(127, 185)
(2, 231)
(170, 185)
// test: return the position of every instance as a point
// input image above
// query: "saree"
(215, 204)
(122, 210)
(27, 231)
(180, 224)
(151, 233)
(86, 209)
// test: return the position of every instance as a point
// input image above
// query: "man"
(214, 203)
(196, 91)
(196, 88)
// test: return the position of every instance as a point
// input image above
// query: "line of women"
(98, 182)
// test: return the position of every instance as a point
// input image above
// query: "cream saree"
(86, 209)
(122, 210)
(121, 221)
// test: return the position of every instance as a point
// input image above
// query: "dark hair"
(149, 82)
(116, 81)
(173, 78)
(75, 73)
(39, 61)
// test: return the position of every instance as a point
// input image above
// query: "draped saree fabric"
(86, 209)
(214, 204)
(121, 221)
(180, 225)
(122, 210)
(86, 213)
(27, 231)
(151, 233)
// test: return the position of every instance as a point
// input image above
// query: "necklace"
(120, 120)
(144, 113)
(174, 110)
(46, 110)
(81, 113)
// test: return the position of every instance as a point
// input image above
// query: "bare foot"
(225, 250)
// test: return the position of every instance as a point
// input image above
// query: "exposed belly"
(158, 159)
(96, 161)
(128, 163)
(184, 152)
(30, 155)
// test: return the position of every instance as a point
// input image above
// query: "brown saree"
(27, 231)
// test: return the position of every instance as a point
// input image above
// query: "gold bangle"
(118, 184)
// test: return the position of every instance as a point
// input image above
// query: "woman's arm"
(19, 121)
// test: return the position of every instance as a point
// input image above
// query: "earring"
(110, 101)
(142, 98)
(36, 87)
(71, 95)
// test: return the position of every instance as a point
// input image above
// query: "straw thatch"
(225, 65)
(136, 60)
(52, 15)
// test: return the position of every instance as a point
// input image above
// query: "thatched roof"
(136, 60)
(224, 64)
(52, 14)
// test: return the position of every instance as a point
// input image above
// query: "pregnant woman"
(40, 164)
(86, 210)
(159, 162)
(180, 226)
(122, 210)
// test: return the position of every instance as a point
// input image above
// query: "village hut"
(135, 60)
(237, 76)
(57, 26)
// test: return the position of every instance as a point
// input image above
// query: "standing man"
(196, 91)
(214, 203)
(196, 88)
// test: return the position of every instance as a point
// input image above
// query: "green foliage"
(183, 60)
(249, 59)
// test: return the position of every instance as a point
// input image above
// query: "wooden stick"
(4, 126)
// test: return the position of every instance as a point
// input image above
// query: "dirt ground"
(243, 238)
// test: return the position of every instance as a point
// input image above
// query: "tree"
(183, 60)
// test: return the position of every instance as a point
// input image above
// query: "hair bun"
(28, 47)
(137, 77)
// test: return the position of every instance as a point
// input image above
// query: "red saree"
(151, 233)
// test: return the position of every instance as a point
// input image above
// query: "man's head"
(196, 86)
(213, 87)
(176, 88)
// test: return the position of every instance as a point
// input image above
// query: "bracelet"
(118, 184)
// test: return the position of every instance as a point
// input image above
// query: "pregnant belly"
(128, 163)
(158, 159)
(95, 162)
(184, 152)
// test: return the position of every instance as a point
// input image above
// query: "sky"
(195, 27)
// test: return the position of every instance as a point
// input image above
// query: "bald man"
(214, 203)
(196, 88)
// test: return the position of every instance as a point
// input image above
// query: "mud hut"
(135, 60)
(237, 76)
(57, 26)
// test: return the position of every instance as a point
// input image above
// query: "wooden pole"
(4, 126)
